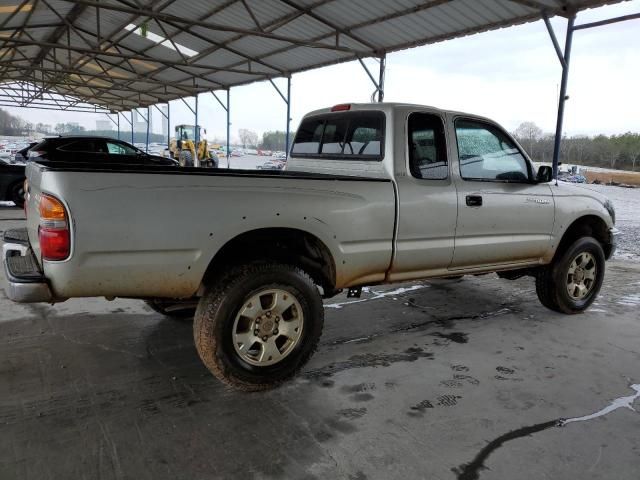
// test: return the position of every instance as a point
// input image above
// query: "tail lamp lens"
(53, 233)
(54, 243)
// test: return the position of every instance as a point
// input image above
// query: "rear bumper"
(24, 282)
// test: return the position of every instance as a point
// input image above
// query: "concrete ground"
(436, 380)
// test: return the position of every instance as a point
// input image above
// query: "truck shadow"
(125, 393)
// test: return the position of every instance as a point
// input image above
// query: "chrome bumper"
(19, 287)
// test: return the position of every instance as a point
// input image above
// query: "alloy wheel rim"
(581, 276)
(268, 327)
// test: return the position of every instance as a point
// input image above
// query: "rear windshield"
(345, 135)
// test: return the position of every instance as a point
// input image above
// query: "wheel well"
(286, 245)
(587, 226)
(9, 192)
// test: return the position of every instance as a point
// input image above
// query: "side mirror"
(545, 174)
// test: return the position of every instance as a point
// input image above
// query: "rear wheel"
(17, 194)
(259, 326)
(572, 282)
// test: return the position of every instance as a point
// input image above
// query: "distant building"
(139, 122)
(102, 125)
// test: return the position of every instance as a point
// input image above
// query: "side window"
(116, 148)
(341, 136)
(81, 146)
(486, 153)
(427, 148)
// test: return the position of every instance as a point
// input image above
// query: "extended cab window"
(345, 135)
(486, 153)
(427, 148)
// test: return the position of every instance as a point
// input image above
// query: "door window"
(427, 149)
(486, 153)
(117, 148)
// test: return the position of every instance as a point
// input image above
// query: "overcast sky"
(511, 75)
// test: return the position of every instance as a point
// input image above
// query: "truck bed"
(144, 231)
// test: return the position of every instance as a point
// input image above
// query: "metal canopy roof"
(121, 54)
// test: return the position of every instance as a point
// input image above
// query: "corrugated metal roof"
(111, 55)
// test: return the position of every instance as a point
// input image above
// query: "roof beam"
(219, 27)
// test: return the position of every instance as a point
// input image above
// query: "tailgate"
(33, 173)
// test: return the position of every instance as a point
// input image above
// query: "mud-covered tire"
(174, 311)
(552, 280)
(17, 194)
(185, 159)
(218, 311)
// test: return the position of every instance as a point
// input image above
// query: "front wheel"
(185, 158)
(259, 326)
(572, 282)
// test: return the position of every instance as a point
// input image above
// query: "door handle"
(474, 201)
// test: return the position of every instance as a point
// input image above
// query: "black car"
(11, 183)
(21, 155)
(74, 149)
(93, 149)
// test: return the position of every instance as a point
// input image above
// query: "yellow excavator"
(183, 147)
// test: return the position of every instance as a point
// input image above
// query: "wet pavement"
(444, 379)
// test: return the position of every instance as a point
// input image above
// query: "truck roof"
(388, 107)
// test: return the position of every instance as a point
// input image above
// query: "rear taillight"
(53, 232)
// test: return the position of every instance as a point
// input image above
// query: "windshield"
(187, 132)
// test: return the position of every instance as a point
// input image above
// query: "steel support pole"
(148, 121)
(196, 160)
(132, 141)
(383, 64)
(228, 127)
(168, 123)
(118, 125)
(286, 141)
(563, 95)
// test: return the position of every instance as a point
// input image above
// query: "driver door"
(503, 217)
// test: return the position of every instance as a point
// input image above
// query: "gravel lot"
(436, 380)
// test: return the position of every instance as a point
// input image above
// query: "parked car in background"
(12, 183)
(94, 149)
(5, 155)
(271, 165)
(20, 158)
(76, 149)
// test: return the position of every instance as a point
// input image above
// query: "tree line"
(272, 140)
(620, 152)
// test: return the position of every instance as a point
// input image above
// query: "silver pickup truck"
(372, 194)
